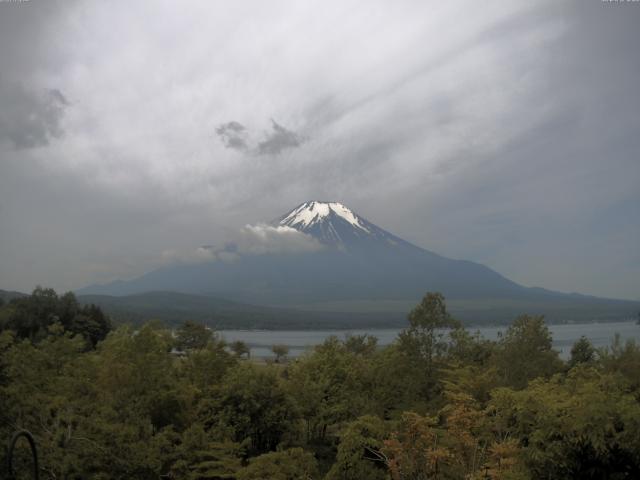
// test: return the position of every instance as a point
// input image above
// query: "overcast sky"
(506, 133)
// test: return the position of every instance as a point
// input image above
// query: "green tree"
(361, 344)
(470, 349)
(52, 391)
(252, 406)
(582, 352)
(291, 464)
(280, 351)
(205, 368)
(359, 455)
(525, 352)
(426, 336)
(192, 336)
(329, 386)
(240, 348)
(30, 317)
(582, 425)
(200, 456)
(91, 323)
(390, 382)
(470, 368)
(425, 342)
(137, 378)
(428, 323)
(623, 359)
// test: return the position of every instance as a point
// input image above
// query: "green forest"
(441, 402)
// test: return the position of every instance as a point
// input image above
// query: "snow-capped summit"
(310, 213)
(335, 224)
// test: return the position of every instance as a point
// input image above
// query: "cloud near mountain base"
(259, 239)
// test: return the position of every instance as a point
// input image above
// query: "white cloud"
(263, 239)
(260, 239)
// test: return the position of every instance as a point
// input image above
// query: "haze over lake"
(299, 341)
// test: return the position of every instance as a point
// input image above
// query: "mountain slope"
(360, 262)
(173, 308)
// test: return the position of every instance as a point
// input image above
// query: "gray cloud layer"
(502, 132)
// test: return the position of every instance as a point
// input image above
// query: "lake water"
(299, 341)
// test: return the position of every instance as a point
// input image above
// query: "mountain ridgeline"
(359, 268)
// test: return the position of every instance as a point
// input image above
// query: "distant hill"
(174, 308)
(8, 295)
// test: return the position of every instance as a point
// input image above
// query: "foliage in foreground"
(439, 403)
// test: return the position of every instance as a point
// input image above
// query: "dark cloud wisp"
(278, 139)
(30, 118)
(235, 136)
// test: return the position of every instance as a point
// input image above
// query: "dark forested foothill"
(438, 403)
(32, 316)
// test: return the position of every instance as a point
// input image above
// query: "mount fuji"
(353, 263)
(335, 225)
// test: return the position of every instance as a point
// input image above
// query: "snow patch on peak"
(310, 213)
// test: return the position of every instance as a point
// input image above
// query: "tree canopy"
(438, 403)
